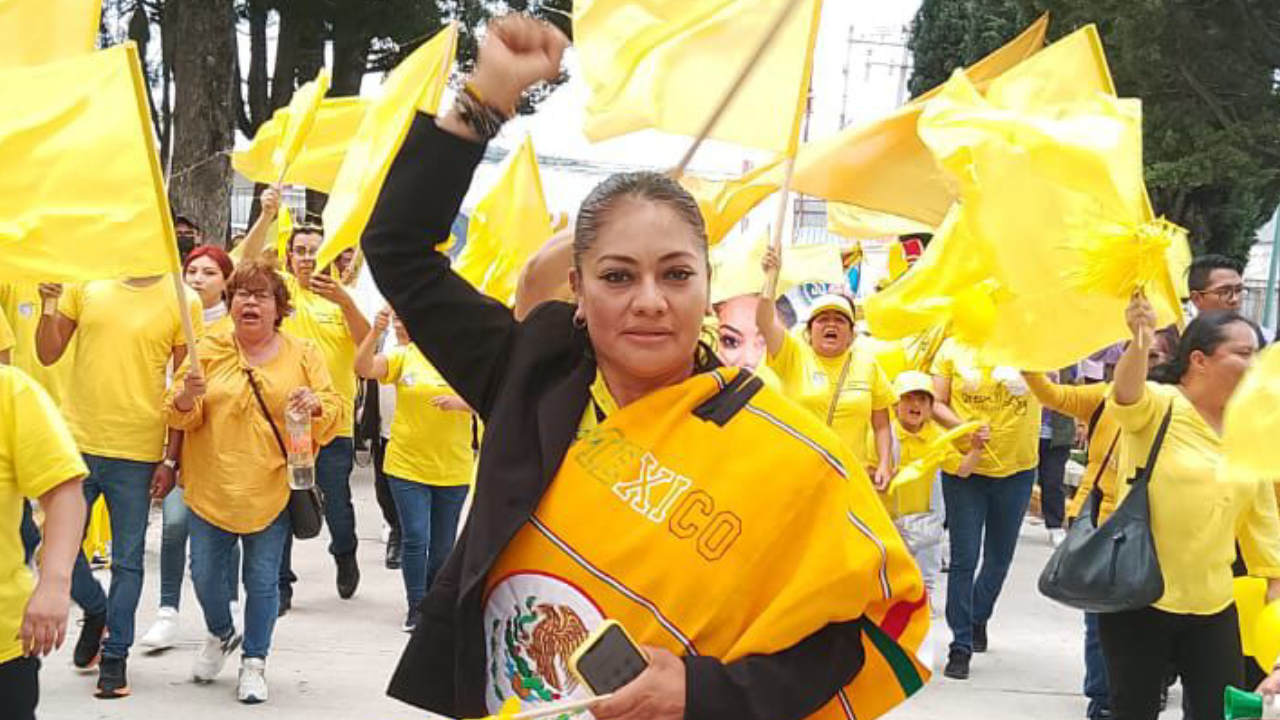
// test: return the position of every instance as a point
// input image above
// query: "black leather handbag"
(306, 507)
(1112, 567)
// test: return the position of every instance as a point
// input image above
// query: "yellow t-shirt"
(1196, 518)
(428, 445)
(233, 470)
(809, 380)
(1000, 397)
(36, 455)
(127, 335)
(21, 305)
(323, 323)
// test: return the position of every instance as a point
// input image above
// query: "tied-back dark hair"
(645, 185)
(1205, 334)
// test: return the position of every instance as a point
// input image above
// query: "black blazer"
(529, 381)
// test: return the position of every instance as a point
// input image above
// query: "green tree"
(1209, 77)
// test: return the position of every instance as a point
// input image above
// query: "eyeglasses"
(1226, 293)
(261, 296)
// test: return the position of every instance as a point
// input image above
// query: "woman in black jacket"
(641, 279)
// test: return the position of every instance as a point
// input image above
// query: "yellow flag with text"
(663, 64)
(883, 166)
(417, 83)
(82, 196)
(507, 227)
(316, 167)
(34, 32)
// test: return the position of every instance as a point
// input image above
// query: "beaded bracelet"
(480, 116)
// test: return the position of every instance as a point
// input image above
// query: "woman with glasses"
(235, 469)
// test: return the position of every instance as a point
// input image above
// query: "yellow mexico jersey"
(428, 445)
(36, 455)
(998, 396)
(810, 380)
(315, 318)
(21, 305)
(126, 335)
(650, 523)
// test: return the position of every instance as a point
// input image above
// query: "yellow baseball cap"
(912, 381)
(831, 301)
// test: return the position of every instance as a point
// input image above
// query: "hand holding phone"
(608, 659)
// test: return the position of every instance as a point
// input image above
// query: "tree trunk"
(259, 104)
(205, 117)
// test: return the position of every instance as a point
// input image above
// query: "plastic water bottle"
(1242, 705)
(302, 463)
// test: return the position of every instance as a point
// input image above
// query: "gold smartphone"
(608, 659)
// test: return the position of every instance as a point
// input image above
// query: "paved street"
(331, 658)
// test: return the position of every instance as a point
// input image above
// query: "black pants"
(19, 688)
(1050, 473)
(381, 489)
(1139, 645)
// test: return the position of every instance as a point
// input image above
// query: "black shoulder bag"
(306, 507)
(1112, 568)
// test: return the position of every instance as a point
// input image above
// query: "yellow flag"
(416, 84)
(910, 488)
(34, 32)
(82, 195)
(855, 222)
(298, 119)
(284, 230)
(898, 265)
(1251, 423)
(725, 202)
(663, 64)
(736, 266)
(316, 166)
(884, 166)
(507, 227)
(1043, 189)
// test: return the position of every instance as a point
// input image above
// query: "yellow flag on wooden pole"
(91, 202)
(299, 116)
(34, 32)
(416, 84)
(507, 227)
(649, 65)
(725, 202)
(316, 167)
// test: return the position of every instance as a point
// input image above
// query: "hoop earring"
(579, 321)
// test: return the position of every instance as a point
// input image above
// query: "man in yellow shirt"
(127, 331)
(20, 304)
(38, 459)
(325, 313)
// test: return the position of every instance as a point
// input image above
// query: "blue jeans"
(173, 553)
(428, 526)
(333, 476)
(1095, 668)
(210, 564)
(984, 515)
(126, 485)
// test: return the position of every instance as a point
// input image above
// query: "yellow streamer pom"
(1118, 260)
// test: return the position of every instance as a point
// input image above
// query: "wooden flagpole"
(766, 42)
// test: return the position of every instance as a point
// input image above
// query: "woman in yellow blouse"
(429, 460)
(828, 376)
(984, 510)
(236, 484)
(1196, 519)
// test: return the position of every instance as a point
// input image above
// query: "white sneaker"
(213, 657)
(164, 633)
(253, 681)
(1057, 536)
